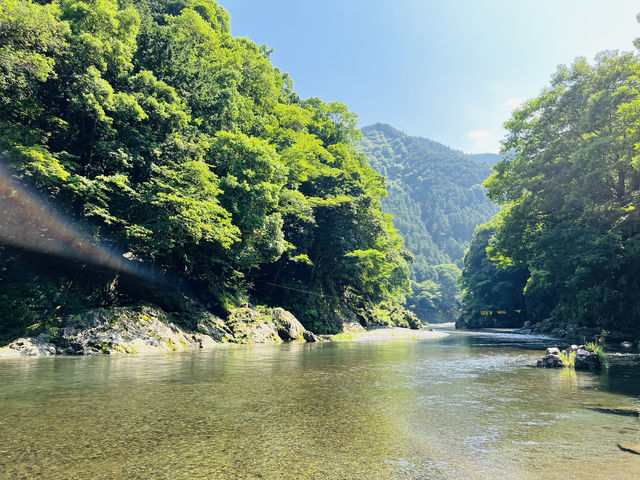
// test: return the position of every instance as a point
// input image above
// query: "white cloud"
(483, 141)
(514, 102)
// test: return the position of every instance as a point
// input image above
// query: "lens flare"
(27, 222)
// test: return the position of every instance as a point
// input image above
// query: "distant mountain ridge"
(436, 197)
(490, 158)
(440, 185)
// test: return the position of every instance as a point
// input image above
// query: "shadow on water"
(623, 379)
(498, 339)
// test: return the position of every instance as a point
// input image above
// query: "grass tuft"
(568, 360)
(599, 351)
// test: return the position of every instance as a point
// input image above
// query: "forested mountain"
(171, 142)
(490, 158)
(570, 193)
(437, 199)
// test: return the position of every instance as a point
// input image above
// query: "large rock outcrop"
(121, 330)
(149, 329)
(268, 325)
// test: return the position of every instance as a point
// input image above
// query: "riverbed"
(467, 405)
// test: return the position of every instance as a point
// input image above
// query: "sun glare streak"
(27, 222)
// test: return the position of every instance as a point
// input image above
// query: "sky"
(448, 70)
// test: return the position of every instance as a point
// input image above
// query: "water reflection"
(466, 406)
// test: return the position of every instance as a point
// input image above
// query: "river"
(462, 407)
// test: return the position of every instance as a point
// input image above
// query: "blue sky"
(449, 70)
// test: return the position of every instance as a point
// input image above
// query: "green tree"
(569, 188)
(172, 142)
(490, 286)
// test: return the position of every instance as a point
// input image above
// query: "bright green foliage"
(436, 198)
(568, 359)
(168, 139)
(570, 188)
(31, 36)
(599, 351)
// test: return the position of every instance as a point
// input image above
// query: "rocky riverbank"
(477, 322)
(149, 329)
(569, 332)
(576, 333)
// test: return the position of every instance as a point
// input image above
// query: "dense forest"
(168, 141)
(565, 246)
(437, 199)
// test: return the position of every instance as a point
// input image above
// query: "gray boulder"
(310, 337)
(252, 326)
(32, 347)
(149, 329)
(586, 360)
(123, 330)
(288, 326)
(550, 361)
(271, 325)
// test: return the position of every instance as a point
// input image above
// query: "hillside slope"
(436, 198)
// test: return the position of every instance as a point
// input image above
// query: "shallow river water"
(465, 406)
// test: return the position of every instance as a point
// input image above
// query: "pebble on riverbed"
(584, 359)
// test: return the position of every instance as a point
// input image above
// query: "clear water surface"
(466, 406)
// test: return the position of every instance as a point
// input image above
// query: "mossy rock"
(253, 326)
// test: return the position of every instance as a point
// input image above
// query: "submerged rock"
(626, 411)
(630, 447)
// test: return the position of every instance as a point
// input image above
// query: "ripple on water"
(466, 406)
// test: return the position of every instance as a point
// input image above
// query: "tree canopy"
(183, 147)
(569, 187)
